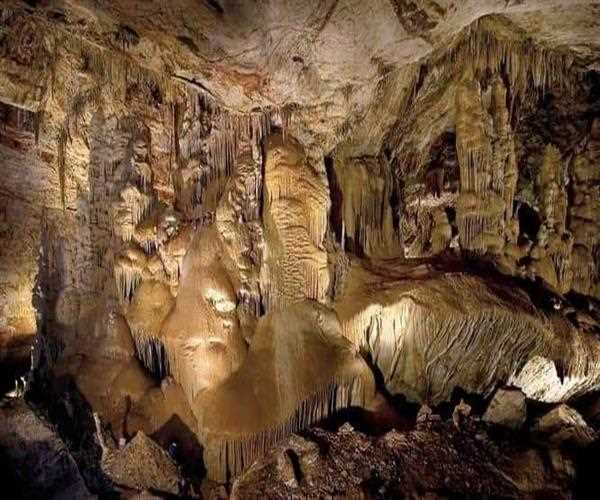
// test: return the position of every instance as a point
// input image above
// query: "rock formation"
(224, 222)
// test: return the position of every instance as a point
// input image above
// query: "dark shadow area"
(36, 470)
(14, 363)
(58, 401)
(529, 221)
(183, 446)
(335, 193)
(477, 402)
(386, 413)
(10, 479)
(588, 468)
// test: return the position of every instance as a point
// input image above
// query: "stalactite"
(480, 205)
(366, 187)
(529, 67)
(231, 128)
(151, 351)
(128, 280)
(504, 155)
(38, 118)
(248, 302)
(127, 277)
(176, 112)
(485, 48)
(144, 172)
(116, 69)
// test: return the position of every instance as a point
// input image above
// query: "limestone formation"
(223, 222)
(299, 370)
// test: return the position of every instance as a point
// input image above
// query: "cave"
(306, 249)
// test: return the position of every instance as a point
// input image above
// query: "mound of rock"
(435, 461)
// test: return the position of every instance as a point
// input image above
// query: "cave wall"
(180, 255)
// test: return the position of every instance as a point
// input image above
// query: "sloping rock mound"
(299, 369)
(143, 465)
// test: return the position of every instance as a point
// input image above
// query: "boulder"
(507, 408)
(142, 465)
(34, 460)
(563, 425)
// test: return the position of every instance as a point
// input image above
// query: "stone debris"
(403, 464)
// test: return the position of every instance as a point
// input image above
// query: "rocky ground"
(509, 449)
(457, 457)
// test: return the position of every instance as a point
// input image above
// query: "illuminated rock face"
(238, 215)
(431, 336)
(296, 204)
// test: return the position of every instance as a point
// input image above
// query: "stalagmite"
(201, 335)
(552, 251)
(583, 215)
(295, 219)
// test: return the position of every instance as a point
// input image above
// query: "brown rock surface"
(35, 461)
(143, 465)
(507, 408)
